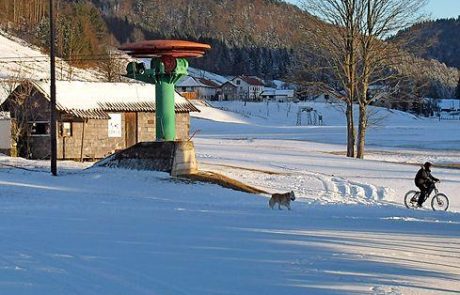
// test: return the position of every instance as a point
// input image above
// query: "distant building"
(94, 119)
(248, 87)
(193, 87)
(229, 91)
(277, 94)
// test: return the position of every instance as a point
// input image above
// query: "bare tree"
(336, 42)
(353, 41)
(112, 65)
(21, 110)
(379, 19)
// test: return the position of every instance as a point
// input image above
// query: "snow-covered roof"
(188, 81)
(251, 80)
(207, 83)
(197, 73)
(278, 92)
(94, 99)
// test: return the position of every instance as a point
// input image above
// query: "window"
(39, 128)
(238, 82)
(66, 129)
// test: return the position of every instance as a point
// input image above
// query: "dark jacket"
(424, 176)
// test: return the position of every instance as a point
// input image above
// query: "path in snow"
(316, 174)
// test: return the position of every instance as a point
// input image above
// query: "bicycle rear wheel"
(440, 202)
(411, 198)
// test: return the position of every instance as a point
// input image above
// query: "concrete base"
(175, 157)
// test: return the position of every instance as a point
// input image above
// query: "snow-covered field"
(109, 231)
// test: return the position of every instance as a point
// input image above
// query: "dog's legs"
(279, 206)
(289, 207)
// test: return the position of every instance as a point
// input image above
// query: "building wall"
(207, 92)
(5, 135)
(97, 144)
(229, 92)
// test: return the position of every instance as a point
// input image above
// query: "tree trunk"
(362, 131)
(350, 132)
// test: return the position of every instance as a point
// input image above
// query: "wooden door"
(130, 129)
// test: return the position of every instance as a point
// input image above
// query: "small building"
(201, 87)
(248, 87)
(277, 94)
(229, 91)
(94, 119)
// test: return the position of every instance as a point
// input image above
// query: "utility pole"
(53, 91)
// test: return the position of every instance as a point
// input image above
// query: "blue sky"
(437, 8)
(444, 8)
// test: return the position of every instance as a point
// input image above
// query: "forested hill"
(256, 37)
(267, 38)
(439, 39)
(252, 37)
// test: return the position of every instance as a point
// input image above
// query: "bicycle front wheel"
(440, 202)
(411, 198)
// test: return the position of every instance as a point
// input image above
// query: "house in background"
(194, 88)
(248, 87)
(229, 91)
(94, 119)
(277, 94)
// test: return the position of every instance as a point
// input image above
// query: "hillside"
(255, 37)
(437, 39)
(20, 59)
(267, 38)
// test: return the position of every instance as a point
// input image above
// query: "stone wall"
(97, 144)
(182, 126)
(175, 157)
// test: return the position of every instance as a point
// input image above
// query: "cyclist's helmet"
(427, 165)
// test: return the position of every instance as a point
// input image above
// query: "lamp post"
(53, 91)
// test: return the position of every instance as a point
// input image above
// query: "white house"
(248, 87)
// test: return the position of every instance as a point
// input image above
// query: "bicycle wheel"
(440, 202)
(411, 198)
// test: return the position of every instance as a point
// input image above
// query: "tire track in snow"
(309, 186)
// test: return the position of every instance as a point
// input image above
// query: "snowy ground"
(22, 60)
(108, 231)
(104, 231)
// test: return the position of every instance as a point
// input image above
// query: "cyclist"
(425, 182)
